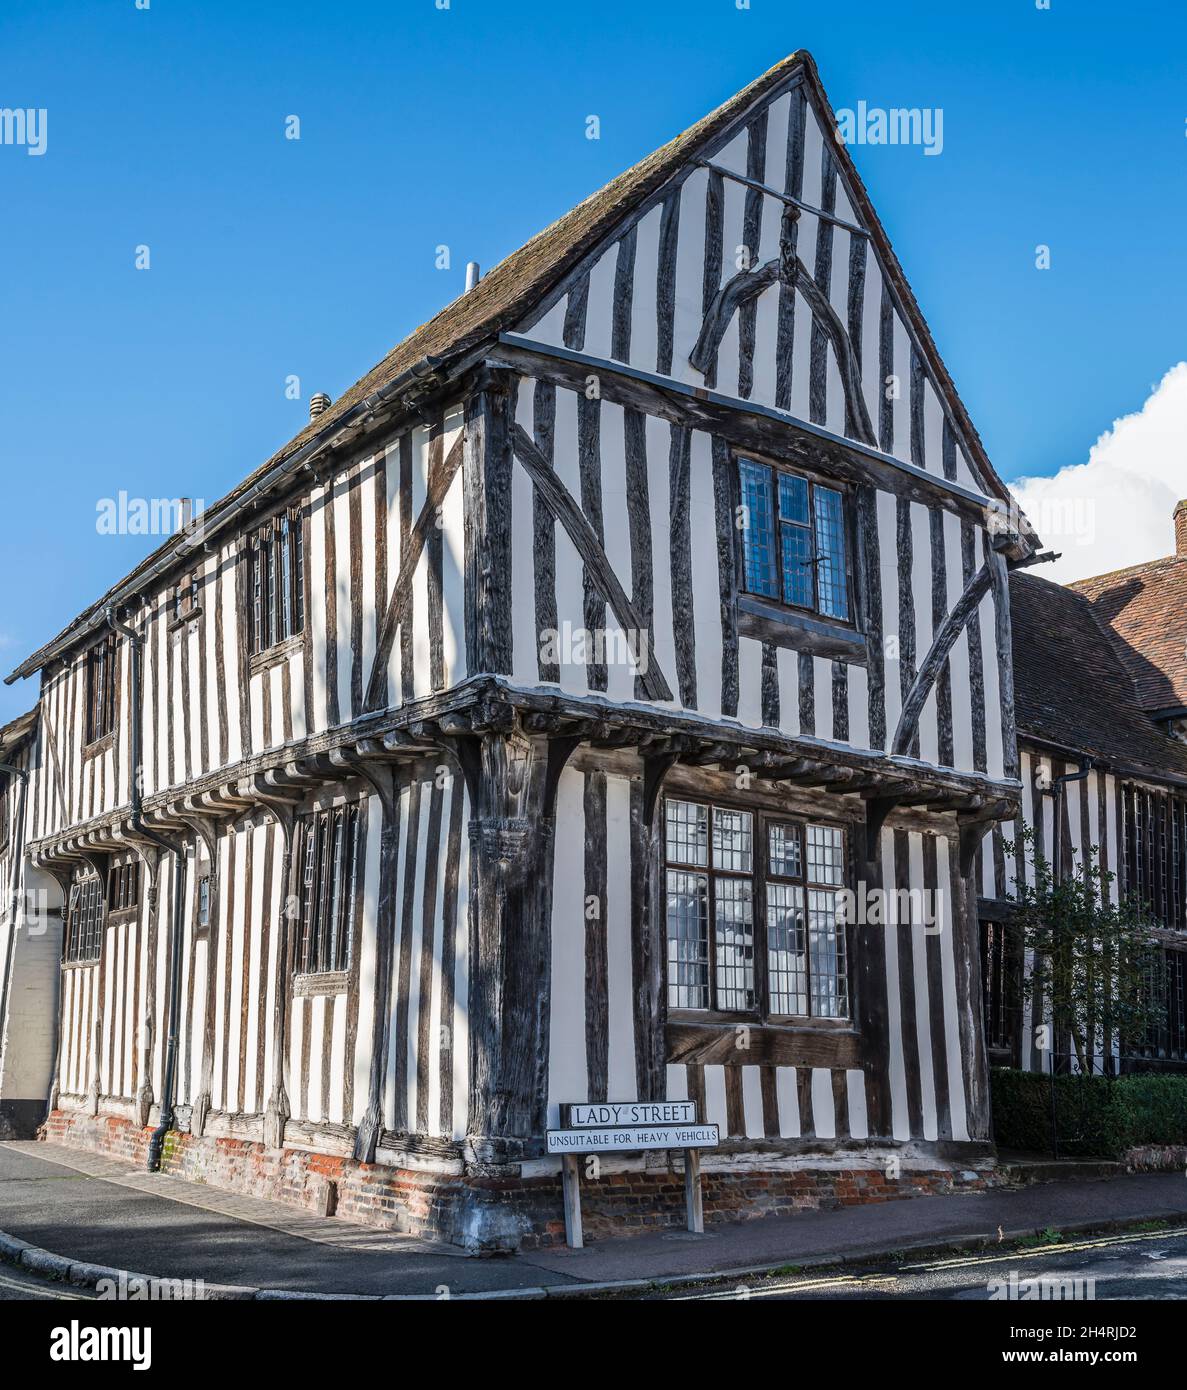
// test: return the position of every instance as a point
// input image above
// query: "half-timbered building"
(604, 698)
(1101, 680)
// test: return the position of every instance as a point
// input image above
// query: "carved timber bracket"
(972, 826)
(878, 808)
(655, 768)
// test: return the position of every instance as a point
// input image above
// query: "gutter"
(221, 515)
(177, 849)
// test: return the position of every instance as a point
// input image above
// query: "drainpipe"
(157, 1139)
(1057, 786)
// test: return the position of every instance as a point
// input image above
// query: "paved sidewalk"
(95, 1209)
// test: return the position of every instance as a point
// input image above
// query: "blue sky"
(465, 126)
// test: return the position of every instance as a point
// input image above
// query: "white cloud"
(1115, 510)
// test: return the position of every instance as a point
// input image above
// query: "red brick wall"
(439, 1206)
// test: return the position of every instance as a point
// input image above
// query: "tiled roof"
(1145, 611)
(505, 293)
(1071, 686)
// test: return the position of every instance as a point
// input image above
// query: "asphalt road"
(1141, 1265)
(16, 1284)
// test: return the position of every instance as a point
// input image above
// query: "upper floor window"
(328, 846)
(276, 555)
(84, 921)
(1154, 853)
(1167, 983)
(185, 598)
(203, 904)
(100, 712)
(754, 922)
(123, 887)
(793, 540)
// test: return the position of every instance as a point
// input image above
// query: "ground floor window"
(84, 921)
(1000, 982)
(1167, 1041)
(754, 917)
(328, 855)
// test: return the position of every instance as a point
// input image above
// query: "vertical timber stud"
(648, 927)
(386, 785)
(966, 934)
(513, 778)
(869, 955)
(486, 482)
(277, 1113)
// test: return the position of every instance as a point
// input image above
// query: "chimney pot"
(473, 275)
(318, 402)
(1180, 520)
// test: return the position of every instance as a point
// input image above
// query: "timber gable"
(355, 689)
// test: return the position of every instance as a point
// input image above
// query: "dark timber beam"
(746, 286)
(950, 629)
(564, 508)
(744, 424)
(514, 778)
(396, 612)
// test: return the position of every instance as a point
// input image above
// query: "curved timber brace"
(396, 613)
(565, 510)
(943, 642)
(788, 269)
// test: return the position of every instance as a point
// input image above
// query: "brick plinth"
(485, 1213)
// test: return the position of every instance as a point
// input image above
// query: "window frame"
(762, 818)
(203, 885)
(276, 560)
(313, 962)
(122, 891)
(777, 602)
(102, 701)
(86, 922)
(184, 600)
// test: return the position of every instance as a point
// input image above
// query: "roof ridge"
(1126, 569)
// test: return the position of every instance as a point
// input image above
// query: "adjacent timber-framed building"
(512, 735)
(1101, 668)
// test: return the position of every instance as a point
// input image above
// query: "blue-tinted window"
(797, 566)
(758, 535)
(794, 540)
(831, 582)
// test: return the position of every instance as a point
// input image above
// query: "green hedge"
(1097, 1116)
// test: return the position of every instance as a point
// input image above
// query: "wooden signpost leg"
(571, 1182)
(692, 1191)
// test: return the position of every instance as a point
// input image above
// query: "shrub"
(1157, 1108)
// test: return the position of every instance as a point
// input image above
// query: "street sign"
(625, 1138)
(602, 1114)
(593, 1127)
